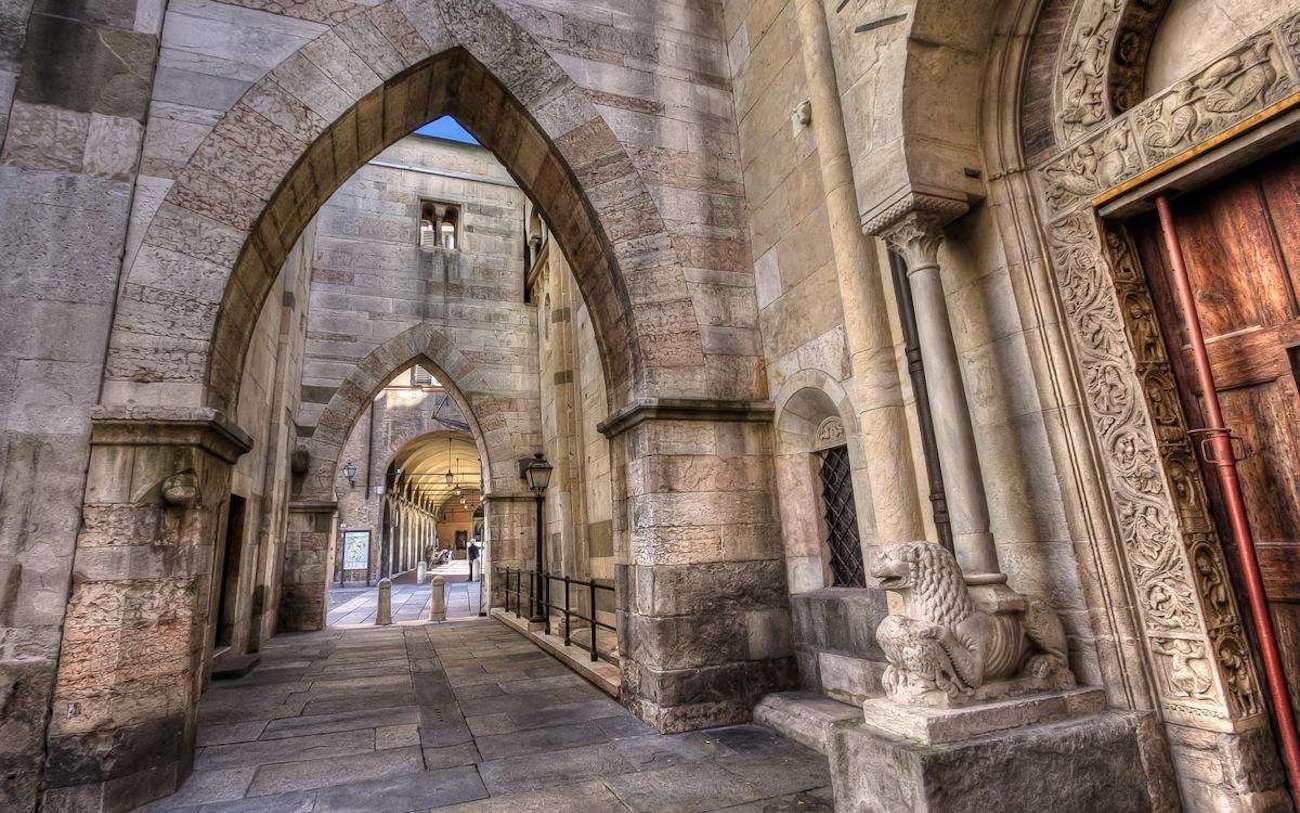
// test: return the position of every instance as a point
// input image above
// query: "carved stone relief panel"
(1178, 578)
(1241, 83)
(1092, 166)
(829, 433)
(1128, 64)
(1252, 76)
(1080, 89)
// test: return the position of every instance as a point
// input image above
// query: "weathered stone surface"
(1101, 762)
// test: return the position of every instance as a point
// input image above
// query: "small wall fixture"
(350, 472)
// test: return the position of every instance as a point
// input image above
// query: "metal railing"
(540, 605)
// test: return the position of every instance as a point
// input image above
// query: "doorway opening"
(227, 586)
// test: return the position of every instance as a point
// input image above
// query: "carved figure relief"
(1242, 82)
(829, 433)
(1091, 167)
(1081, 75)
(1238, 676)
(943, 650)
(1186, 671)
(1212, 581)
(1127, 71)
(1143, 331)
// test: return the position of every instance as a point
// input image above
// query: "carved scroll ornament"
(1179, 578)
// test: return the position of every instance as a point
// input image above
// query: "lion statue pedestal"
(954, 645)
(977, 673)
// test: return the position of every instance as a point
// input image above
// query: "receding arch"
(422, 344)
(218, 240)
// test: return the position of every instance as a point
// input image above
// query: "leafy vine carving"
(1180, 581)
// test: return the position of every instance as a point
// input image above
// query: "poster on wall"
(356, 550)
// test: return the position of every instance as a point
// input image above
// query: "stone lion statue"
(945, 651)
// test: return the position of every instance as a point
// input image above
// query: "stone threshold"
(803, 716)
(601, 674)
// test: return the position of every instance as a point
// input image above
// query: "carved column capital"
(917, 237)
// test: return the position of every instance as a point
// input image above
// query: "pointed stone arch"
(214, 247)
(422, 344)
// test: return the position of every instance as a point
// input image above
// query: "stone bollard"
(421, 572)
(384, 616)
(438, 606)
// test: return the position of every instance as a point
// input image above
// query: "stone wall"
(573, 402)
(71, 131)
(802, 324)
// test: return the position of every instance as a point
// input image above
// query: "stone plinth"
(1112, 761)
(941, 725)
(835, 641)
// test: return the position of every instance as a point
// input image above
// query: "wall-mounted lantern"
(350, 472)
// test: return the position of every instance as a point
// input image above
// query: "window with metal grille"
(841, 519)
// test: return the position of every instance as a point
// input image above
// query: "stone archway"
(309, 542)
(225, 226)
(423, 344)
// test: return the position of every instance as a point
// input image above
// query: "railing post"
(592, 583)
(566, 610)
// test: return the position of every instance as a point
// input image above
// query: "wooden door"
(1241, 241)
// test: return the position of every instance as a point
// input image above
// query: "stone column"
(137, 630)
(876, 391)
(307, 564)
(703, 609)
(917, 237)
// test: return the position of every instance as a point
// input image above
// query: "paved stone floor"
(466, 716)
(350, 606)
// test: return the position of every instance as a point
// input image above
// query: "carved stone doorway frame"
(1202, 670)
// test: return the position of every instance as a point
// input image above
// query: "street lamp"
(350, 472)
(537, 472)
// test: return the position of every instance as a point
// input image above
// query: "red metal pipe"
(1226, 465)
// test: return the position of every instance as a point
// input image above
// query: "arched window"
(440, 225)
(843, 546)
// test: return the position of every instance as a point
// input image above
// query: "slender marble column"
(876, 390)
(917, 238)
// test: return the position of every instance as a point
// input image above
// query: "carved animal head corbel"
(181, 489)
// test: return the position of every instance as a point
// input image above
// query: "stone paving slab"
(381, 720)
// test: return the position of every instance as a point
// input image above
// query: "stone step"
(849, 679)
(805, 717)
(230, 666)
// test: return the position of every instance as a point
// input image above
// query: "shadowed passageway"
(465, 716)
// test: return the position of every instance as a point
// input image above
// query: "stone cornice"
(202, 427)
(685, 409)
(907, 201)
